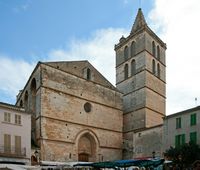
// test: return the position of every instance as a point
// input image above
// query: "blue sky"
(55, 30)
(31, 28)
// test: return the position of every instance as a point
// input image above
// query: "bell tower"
(141, 77)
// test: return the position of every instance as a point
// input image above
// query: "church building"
(78, 115)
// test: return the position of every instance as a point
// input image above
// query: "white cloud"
(98, 50)
(178, 24)
(14, 74)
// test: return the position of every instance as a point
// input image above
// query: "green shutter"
(176, 140)
(193, 119)
(183, 139)
(193, 137)
(179, 140)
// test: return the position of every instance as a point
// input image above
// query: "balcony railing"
(12, 151)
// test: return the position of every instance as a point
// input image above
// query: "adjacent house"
(15, 134)
(181, 127)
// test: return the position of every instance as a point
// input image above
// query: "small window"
(88, 74)
(87, 107)
(26, 100)
(193, 137)
(18, 119)
(178, 123)
(21, 103)
(133, 49)
(6, 117)
(153, 49)
(126, 53)
(133, 67)
(126, 71)
(158, 52)
(158, 70)
(153, 67)
(193, 119)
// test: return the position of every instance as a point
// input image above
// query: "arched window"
(153, 67)
(133, 49)
(26, 100)
(126, 53)
(133, 67)
(158, 52)
(33, 96)
(153, 49)
(158, 70)
(21, 103)
(126, 71)
(88, 74)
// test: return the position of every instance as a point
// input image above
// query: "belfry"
(140, 76)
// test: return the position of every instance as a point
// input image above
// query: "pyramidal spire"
(139, 21)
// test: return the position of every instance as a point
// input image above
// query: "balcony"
(12, 152)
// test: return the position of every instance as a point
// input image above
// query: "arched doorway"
(87, 147)
(83, 157)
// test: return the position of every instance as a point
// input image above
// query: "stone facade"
(15, 134)
(140, 76)
(147, 142)
(77, 115)
(76, 112)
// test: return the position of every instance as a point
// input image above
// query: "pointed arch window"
(133, 52)
(153, 49)
(158, 70)
(126, 71)
(133, 67)
(33, 95)
(126, 53)
(153, 67)
(21, 103)
(158, 52)
(26, 100)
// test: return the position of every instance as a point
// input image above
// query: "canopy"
(125, 163)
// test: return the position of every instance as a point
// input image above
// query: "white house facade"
(15, 134)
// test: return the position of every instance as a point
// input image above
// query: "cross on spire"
(140, 3)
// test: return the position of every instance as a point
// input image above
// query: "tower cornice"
(145, 28)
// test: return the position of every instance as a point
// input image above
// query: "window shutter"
(183, 139)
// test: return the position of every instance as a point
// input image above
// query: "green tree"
(185, 154)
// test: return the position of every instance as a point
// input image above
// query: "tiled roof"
(183, 112)
(10, 106)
